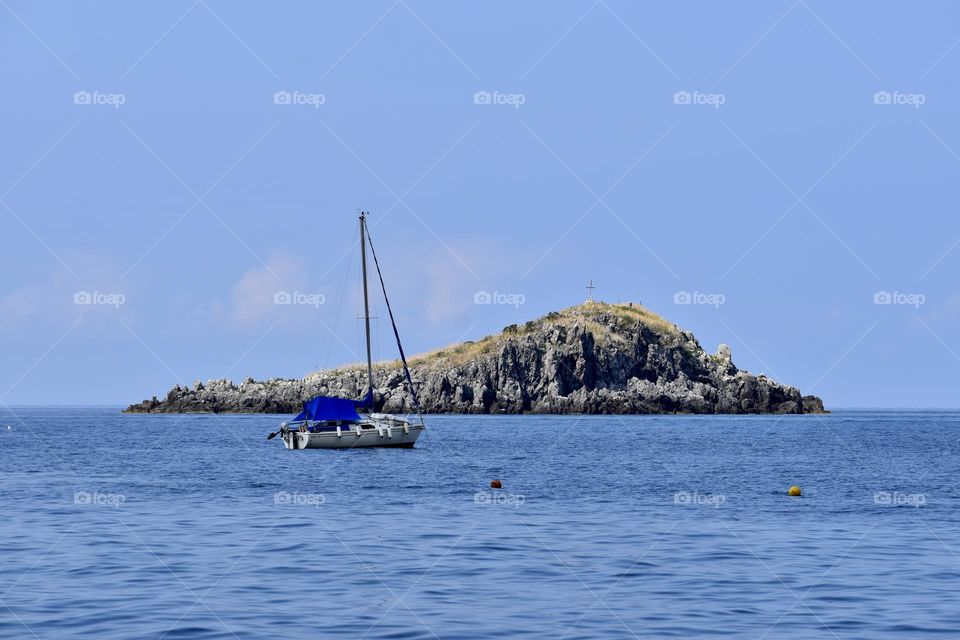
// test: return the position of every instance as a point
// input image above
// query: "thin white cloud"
(259, 292)
(56, 297)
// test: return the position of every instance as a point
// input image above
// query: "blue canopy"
(327, 408)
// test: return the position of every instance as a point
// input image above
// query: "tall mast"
(366, 299)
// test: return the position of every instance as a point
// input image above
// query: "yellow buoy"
(793, 491)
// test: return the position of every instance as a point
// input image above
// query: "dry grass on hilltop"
(464, 352)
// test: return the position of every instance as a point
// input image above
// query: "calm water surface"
(119, 526)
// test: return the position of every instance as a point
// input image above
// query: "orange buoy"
(496, 484)
(793, 491)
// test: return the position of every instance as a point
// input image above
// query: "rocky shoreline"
(595, 358)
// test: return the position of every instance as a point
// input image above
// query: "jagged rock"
(594, 358)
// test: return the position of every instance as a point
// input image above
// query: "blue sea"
(185, 526)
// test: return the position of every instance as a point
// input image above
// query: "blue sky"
(783, 163)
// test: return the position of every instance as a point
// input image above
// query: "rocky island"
(594, 358)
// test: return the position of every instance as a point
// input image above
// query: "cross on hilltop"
(590, 289)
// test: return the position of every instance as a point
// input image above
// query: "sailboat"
(339, 423)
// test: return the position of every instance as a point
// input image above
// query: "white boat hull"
(369, 434)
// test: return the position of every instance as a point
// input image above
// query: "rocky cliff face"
(595, 358)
